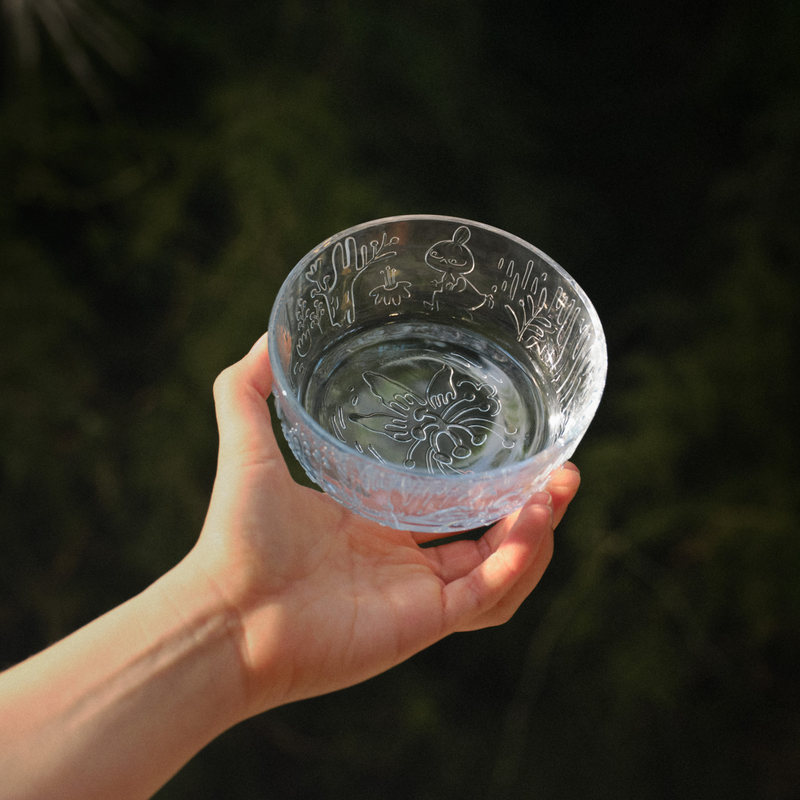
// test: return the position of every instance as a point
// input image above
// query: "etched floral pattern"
(443, 428)
(391, 292)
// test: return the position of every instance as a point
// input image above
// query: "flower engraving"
(308, 317)
(392, 291)
(443, 428)
(349, 260)
(323, 282)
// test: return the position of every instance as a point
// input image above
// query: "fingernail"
(570, 466)
(542, 499)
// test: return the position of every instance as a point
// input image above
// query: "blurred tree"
(90, 38)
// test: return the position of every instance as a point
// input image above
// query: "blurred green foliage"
(148, 216)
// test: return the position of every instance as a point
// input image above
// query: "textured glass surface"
(431, 372)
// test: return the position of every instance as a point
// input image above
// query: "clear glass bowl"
(431, 372)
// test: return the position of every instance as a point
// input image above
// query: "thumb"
(243, 418)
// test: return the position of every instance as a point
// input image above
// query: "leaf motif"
(391, 393)
(441, 390)
(386, 424)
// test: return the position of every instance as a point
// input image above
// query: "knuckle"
(222, 383)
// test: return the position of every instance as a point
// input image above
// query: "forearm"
(115, 709)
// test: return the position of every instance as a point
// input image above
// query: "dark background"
(162, 167)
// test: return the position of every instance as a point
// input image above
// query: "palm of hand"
(326, 598)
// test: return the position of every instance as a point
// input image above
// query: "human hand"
(325, 598)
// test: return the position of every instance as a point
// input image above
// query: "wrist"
(205, 635)
(254, 624)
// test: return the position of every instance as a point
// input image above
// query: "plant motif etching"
(531, 322)
(542, 322)
(328, 300)
(441, 429)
